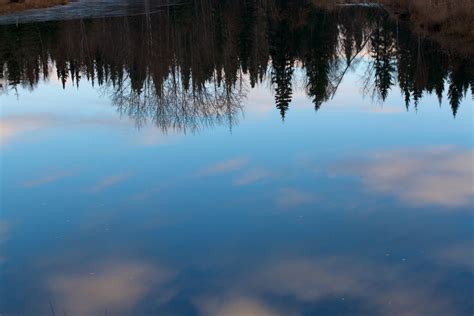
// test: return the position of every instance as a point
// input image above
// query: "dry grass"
(455, 15)
(435, 11)
(8, 6)
(450, 22)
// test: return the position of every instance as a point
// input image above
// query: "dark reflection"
(185, 67)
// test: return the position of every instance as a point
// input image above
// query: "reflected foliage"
(187, 66)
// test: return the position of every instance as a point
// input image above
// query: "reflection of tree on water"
(383, 53)
(282, 65)
(321, 58)
(176, 107)
(183, 67)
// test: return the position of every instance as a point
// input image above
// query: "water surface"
(234, 158)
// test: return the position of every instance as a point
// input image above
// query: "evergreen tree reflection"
(186, 67)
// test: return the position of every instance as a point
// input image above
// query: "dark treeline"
(186, 66)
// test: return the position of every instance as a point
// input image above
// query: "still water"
(234, 158)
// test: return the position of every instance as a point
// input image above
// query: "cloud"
(18, 125)
(346, 284)
(12, 127)
(461, 255)
(151, 136)
(440, 176)
(290, 198)
(383, 289)
(4, 230)
(108, 182)
(252, 176)
(385, 109)
(223, 167)
(308, 280)
(49, 178)
(145, 194)
(234, 306)
(115, 287)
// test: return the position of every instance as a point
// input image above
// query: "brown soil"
(7, 6)
(448, 22)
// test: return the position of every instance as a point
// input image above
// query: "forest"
(185, 66)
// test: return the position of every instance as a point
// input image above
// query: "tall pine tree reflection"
(187, 67)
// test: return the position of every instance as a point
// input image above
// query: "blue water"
(360, 208)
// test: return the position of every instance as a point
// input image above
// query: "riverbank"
(8, 6)
(448, 22)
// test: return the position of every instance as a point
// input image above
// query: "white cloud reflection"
(385, 289)
(112, 287)
(441, 176)
(223, 167)
(252, 176)
(4, 230)
(108, 182)
(48, 178)
(458, 255)
(334, 284)
(234, 306)
(13, 127)
(4, 235)
(291, 198)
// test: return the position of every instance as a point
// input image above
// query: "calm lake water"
(234, 158)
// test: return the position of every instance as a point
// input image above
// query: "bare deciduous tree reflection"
(185, 67)
(175, 108)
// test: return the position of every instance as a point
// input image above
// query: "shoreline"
(448, 23)
(450, 26)
(8, 7)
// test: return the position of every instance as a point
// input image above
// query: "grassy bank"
(9, 6)
(449, 22)
(452, 17)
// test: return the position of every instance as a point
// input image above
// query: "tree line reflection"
(189, 65)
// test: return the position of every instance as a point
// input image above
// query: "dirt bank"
(9, 6)
(448, 22)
